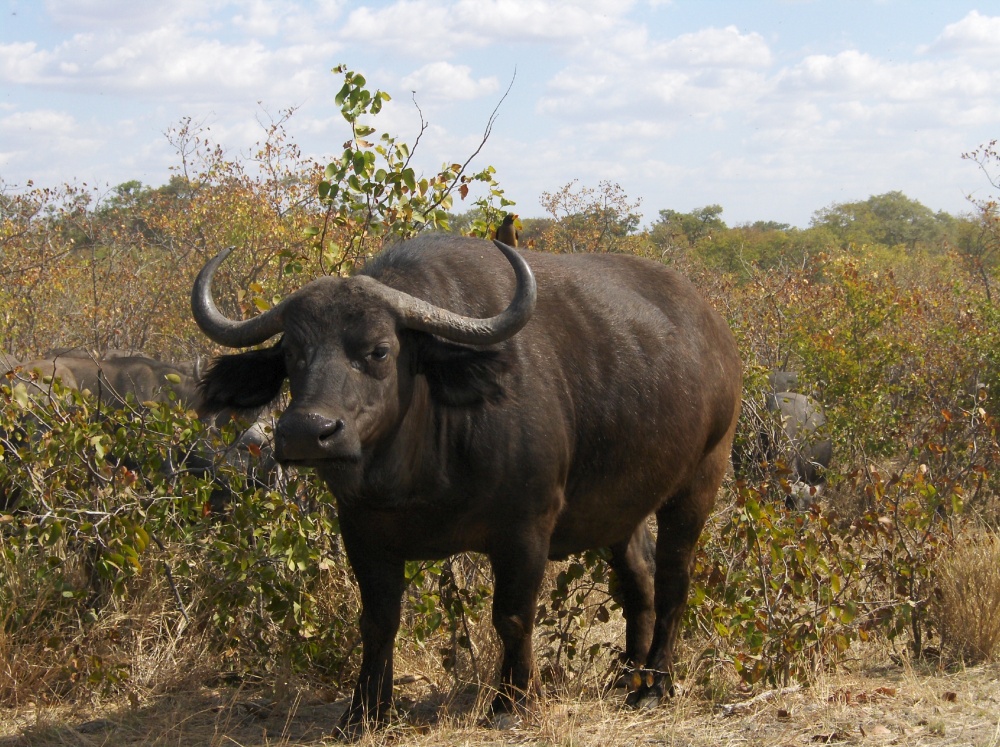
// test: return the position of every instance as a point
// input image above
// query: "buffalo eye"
(380, 352)
(294, 359)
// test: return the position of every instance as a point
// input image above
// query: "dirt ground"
(889, 705)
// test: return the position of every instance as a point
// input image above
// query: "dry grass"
(968, 598)
(891, 704)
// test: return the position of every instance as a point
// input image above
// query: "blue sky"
(771, 109)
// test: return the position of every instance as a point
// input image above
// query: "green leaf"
(410, 179)
(20, 394)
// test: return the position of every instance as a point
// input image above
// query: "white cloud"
(168, 62)
(975, 34)
(695, 75)
(715, 48)
(442, 81)
(435, 29)
(127, 14)
(396, 27)
(63, 136)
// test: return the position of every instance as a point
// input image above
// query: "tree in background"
(979, 245)
(891, 219)
(585, 219)
(674, 229)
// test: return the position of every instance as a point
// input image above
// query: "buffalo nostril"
(331, 430)
(304, 436)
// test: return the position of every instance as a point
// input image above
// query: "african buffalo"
(802, 443)
(783, 381)
(446, 417)
(82, 352)
(37, 375)
(115, 379)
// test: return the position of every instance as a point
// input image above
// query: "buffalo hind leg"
(381, 582)
(633, 563)
(679, 524)
(518, 569)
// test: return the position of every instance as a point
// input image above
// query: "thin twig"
(170, 580)
(486, 136)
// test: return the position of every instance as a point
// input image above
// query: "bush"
(967, 597)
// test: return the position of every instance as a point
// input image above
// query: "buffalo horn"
(218, 327)
(414, 312)
(420, 315)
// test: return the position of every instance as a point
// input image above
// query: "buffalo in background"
(789, 434)
(129, 380)
(522, 405)
(118, 375)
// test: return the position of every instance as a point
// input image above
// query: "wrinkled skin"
(618, 400)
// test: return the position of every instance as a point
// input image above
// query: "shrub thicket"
(115, 559)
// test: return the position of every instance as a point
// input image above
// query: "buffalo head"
(349, 349)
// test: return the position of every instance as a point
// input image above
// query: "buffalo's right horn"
(218, 327)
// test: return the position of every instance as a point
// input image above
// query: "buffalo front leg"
(381, 582)
(517, 570)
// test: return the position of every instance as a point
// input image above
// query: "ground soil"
(895, 704)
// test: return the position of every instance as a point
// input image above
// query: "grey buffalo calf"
(522, 405)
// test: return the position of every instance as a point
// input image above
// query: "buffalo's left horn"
(218, 327)
(425, 317)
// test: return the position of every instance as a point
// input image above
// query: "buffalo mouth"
(341, 462)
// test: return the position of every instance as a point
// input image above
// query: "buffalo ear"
(460, 376)
(244, 381)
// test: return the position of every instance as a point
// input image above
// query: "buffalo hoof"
(506, 713)
(649, 689)
(349, 732)
(353, 727)
(644, 699)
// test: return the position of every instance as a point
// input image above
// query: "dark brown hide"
(618, 400)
